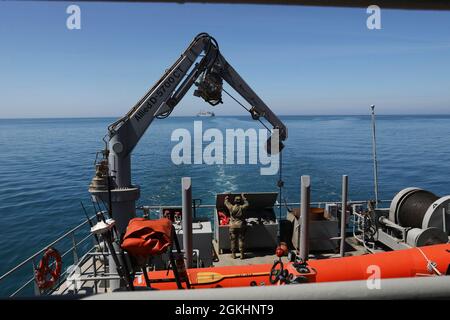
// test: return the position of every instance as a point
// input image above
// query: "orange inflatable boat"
(414, 262)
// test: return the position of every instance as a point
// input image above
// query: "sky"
(299, 60)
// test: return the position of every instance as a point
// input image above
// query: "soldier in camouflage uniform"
(237, 223)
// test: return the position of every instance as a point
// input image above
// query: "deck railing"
(318, 204)
(75, 248)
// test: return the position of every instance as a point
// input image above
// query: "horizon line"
(235, 115)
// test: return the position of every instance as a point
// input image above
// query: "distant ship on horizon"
(206, 114)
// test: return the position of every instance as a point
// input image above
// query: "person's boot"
(242, 255)
(233, 255)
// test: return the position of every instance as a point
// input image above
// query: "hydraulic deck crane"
(112, 181)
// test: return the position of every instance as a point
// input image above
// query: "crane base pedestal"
(123, 202)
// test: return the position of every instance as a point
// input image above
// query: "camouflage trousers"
(237, 236)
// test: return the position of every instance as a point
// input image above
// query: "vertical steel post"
(74, 249)
(186, 189)
(37, 291)
(343, 213)
(94, 264)
(305, 198)
(374, 153)
(444, 220)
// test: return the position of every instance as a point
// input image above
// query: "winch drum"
(423, 237)
(409, 206)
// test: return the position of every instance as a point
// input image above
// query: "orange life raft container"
(423, 261)
(147, 237)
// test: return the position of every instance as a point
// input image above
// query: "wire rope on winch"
(413, 208)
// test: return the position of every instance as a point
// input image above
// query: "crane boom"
(159, 102)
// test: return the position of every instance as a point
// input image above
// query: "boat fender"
(46, 275)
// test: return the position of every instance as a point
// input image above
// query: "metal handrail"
(157, 207)
(85, 258)
(62, 274)
(43, 249)
(30, 259)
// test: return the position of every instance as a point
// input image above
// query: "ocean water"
(46, 166)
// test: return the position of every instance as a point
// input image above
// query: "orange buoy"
(46, 275)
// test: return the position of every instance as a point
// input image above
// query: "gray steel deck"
(353, 248)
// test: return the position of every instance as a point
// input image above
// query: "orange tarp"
(147, 237)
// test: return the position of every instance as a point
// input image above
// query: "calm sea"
(46, 166)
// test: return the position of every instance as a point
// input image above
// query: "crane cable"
(248, 110)
(431, 265)
(280, 182)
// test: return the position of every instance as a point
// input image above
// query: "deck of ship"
(353, 248)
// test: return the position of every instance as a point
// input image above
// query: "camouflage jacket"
(237, 213)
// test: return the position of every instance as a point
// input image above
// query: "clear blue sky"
(300, 60)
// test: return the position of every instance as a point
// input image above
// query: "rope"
(229, 94)
(412, 209)
(248, 110)
(431, 265)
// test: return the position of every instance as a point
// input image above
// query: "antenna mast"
(374, 153)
